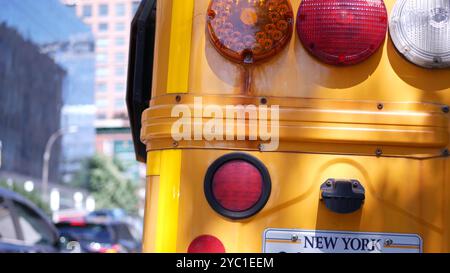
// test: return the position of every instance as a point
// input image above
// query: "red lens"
(237, 185)
(342, 32)
(206, 244)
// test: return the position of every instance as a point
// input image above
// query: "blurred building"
(116, 142)
(31, 86)
(110, 23)
(59, 33)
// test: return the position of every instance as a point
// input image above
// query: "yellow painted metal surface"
(402, 196)
(150, 215)
(407, 189)
(151, 201)
(180, 46)
(168, 201)
(163, 170)
(413, 129)
(385, 76)
(154, 163)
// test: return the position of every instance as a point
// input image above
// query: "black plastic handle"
(343, 196)
(140, 70)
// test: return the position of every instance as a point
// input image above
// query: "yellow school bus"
(293, 126)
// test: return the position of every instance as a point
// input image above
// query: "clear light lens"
(420, 30)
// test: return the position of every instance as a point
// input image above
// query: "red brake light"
(206, 244)
(79, 223)
(342, 32)
(237, 186)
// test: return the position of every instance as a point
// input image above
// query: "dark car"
(107, 214)
(24, 228)
(99, 237)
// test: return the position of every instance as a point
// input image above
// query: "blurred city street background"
(65, 141)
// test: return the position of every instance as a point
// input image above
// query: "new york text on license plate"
(314, 241)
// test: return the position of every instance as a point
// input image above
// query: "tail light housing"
(342, 32)
(249, 31)
(237, 186)
(420, 30)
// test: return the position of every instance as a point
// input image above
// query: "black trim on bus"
(266, 187)
(140, 70)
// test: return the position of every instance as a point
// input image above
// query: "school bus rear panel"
(380, 122)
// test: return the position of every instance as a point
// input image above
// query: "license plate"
(315, 241)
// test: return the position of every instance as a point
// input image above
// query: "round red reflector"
(249, 31)
(342, 32)
(206, 244)
(237, 185)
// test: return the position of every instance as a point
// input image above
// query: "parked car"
(134, 223)
(107, 214)
(100, 237)
(24, 228)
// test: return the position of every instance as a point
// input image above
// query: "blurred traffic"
(24, 228)
(69, 181)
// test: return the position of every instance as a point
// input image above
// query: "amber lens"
(249, 31)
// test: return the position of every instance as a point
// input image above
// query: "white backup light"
(420, 30)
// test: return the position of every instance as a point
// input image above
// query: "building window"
(101, 116)
(102, 42)
(120, 27)
(103, 10)
(101, 58)
(120, 88)
(87, 11)
(101, 103)
(120, 103)
(102, 27)
(101, 87)
(120, 9)
(102, 72)
(120, 57)
(120, 41)
(120, 71)
(135, 6)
